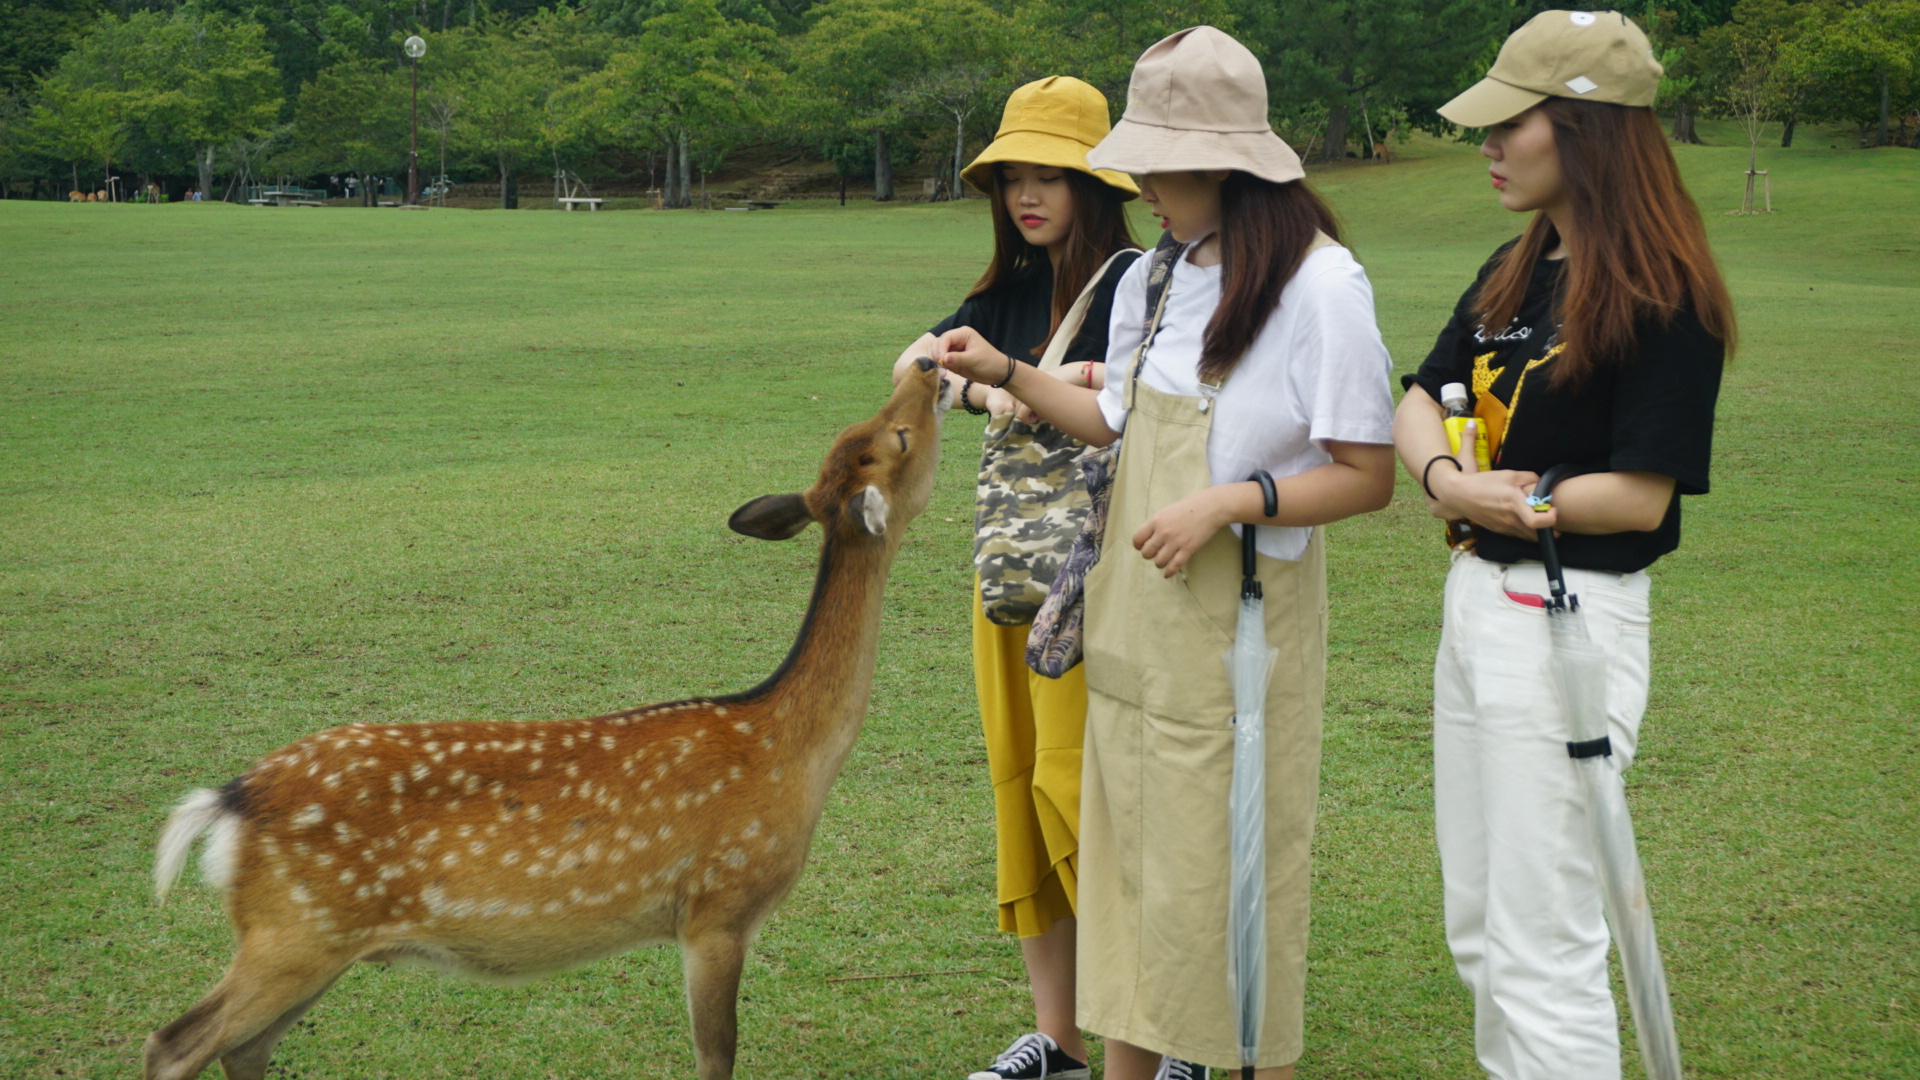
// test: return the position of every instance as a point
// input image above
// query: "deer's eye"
(902, 434)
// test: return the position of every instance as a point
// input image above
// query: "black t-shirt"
(1016, 315)
(1649, 412)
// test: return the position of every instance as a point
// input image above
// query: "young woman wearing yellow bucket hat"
(1595, 339)
(1266, 357)
(1060, 230)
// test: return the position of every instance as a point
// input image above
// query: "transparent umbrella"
(1249, 665)
(1580, 675)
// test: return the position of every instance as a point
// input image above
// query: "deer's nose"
(924, 363)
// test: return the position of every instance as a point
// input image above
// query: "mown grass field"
(270, 471)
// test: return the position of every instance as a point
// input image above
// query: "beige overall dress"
(1159, 757)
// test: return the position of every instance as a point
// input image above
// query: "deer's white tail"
(201, 811)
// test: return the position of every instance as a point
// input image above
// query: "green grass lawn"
(267, 471)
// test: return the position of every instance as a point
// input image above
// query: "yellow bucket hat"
(1054, 121)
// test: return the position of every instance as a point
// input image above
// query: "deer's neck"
(816, 702)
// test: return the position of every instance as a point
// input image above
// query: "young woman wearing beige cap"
(1266, 357)
(1596, 339)
(1059, 229)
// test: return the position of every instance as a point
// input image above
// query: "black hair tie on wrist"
(1012, 364)
(966, 403)
(1424, 473)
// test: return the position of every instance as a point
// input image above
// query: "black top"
(1016, 315)
(1649, 412)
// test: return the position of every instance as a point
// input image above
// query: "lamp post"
(416, 47)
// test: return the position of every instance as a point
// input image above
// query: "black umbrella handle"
(1250, 585)
(1549, 550)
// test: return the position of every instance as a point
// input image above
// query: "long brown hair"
(1099, 229)
(1265, 230)
(1639, 250)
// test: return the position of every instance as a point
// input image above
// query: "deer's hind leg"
(268, 986)
(248, 1061)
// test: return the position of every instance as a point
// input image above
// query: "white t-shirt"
(1316, 373)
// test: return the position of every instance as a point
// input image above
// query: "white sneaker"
(1172, 1068)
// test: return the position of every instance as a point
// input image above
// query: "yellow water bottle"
(1453, 402)
(1453, 399)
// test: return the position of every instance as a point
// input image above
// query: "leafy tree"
(1868, 58)
(965, 75)
(1749, 76)
(306, 36)
(81, 122)
(158, 88)
(227, 87)
(35, 34)
(352, 117)
(19, 157)
(867, 68)
(628, 18)
(694, 75)
(1097, 41)
(1756, 67)
(849, 68)
(1344, 55)
(503, 87)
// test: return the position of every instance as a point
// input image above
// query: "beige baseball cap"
(1197, 100)
(1582, 55)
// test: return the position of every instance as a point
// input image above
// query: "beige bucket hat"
(1197, 100)
(1582, 55)
(1052, 121)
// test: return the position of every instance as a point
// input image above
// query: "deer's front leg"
(712, 962)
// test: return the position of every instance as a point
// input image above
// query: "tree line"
(212, 93)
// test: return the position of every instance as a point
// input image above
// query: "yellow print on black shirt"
(1494, 414)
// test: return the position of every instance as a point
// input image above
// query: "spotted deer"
(509, 850)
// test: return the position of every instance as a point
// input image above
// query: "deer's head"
(876, 478)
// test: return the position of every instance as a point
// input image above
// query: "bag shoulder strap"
(1077, 314)
(1159, 278)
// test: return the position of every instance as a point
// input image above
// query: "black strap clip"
(1600, 747)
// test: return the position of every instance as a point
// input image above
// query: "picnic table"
(592, 204)
(285, 195)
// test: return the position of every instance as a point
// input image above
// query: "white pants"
(1523, 907)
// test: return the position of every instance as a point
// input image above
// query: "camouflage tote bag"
(1031, 500)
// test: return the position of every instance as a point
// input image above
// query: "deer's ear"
(771, 517)
(870, 508)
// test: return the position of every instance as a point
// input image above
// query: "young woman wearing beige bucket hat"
(1596, 339)
(1060, 231)
(1265, 357)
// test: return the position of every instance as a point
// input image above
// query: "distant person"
(1596, 338)
(1059, 229)
(1266, 357)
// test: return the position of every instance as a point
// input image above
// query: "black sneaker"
(1172, 1068)
(1034, 1057)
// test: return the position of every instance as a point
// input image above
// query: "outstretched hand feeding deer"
(506, 851)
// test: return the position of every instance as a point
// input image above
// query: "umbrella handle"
(1249, 585)
(1549, 550)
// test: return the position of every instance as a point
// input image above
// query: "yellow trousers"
(1034, 727)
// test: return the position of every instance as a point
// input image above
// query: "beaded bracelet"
(967, 404)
